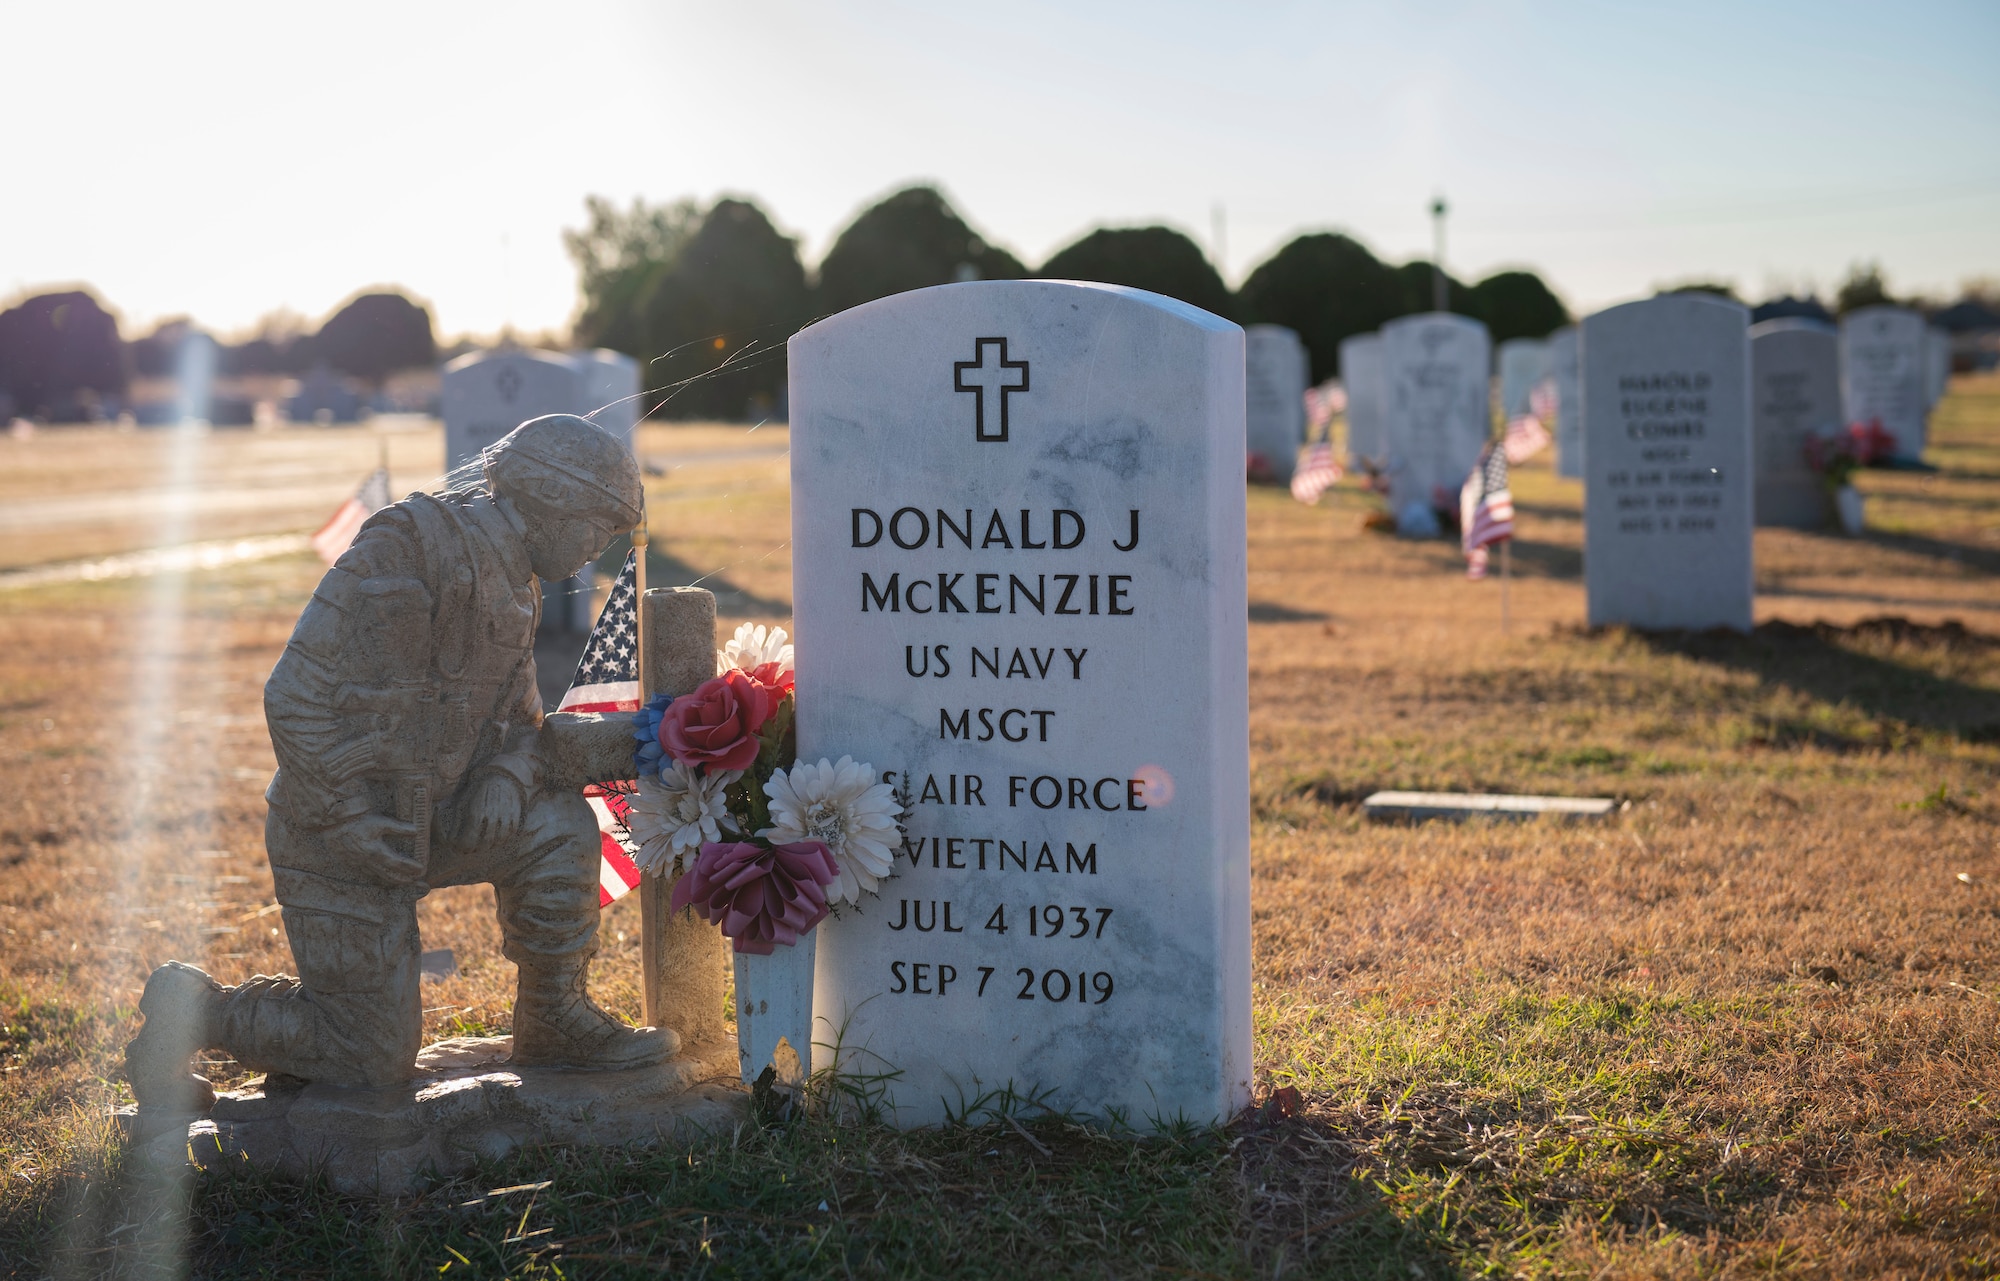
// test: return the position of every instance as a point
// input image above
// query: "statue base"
(466, 1104)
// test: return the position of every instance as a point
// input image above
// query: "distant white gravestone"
(610, 390)
(1361, 378)
(1566, 376)
(486, 394)
(1794, 396)
(1524, 362)
(1937, 365)
(1667, 489)
(1275, 378)
(1882, 373)
(1436, 408)
(1019, 567)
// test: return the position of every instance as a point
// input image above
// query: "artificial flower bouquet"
(762, 851)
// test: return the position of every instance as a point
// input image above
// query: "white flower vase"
(774, 1009)
(1847, 502)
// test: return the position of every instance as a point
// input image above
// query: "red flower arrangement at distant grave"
(709, 762)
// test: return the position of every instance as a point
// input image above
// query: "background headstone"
(1937, 365)
(1361, 377)
(610, 390)
(1437, 407)
(1524, 362)
(1666, 414)
(1794, 396)
(486, 394)
(1063, 684)
(1566, 373)
(1275, 378)
(1882, 373)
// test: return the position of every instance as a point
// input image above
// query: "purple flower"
(761, 895)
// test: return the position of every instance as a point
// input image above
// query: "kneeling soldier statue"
(405, 716)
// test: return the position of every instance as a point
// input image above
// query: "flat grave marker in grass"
(1018, 515)
(1437, 408)
(1417, 806)
(1666, 404)
(1794, 396)
(1274, 386)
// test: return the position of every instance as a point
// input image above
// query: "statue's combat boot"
(181, 1005)
(556, 1024)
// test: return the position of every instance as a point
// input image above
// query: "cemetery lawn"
(1751, 1024)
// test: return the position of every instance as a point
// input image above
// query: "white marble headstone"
(610, 390)
(1437, 409)
(1524, 362)
(1566, 374)
(486, 394)
(1937, 364)
(1275, 377)
(1882, 373)
(1667, 507)
(1361, 377)
(1794, 396)
(1019, 575)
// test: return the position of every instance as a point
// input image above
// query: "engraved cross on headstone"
(993, 378)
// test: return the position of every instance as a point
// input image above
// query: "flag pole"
(1506, 575)
(639, 542)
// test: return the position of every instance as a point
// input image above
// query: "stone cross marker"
(1666, 418)
(1361, 377)
(1882, 373)
(1275, 377)
(1524, 362)
(1029, 605)
(1566, 372)
(1794, 396)
(1437, 407)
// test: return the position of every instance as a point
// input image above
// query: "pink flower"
(775, 677)
(761, 895)
(716, 726)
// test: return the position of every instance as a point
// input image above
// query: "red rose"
(769, 675)
(716, 726)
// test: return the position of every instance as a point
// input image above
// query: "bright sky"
(227, 160)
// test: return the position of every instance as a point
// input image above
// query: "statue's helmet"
(565, 466)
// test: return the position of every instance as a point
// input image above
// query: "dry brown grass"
(1751, 1024)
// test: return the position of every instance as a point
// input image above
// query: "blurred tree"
(910, 240)
(1419, 292)
(158, 354)
(1807, 308)
(1327, 287)
(1721, 289)
(1863, 287)
(376, 335)
(618, 258)
(59, 353)
(1516, 304)
(723, 307)
(1159, 259)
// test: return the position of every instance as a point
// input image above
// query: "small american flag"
(607, 680)
(1525, 438)
(1316, 472)
(1485, 508)
(337, 535)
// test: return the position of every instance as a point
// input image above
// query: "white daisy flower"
(842, 805)
(676, 812)
(752, 647)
